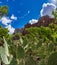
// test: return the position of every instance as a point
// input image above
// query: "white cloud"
(47, 9)
(11, 29)
(5, 20)
(54, 2)
(13, 17)
(33, 21)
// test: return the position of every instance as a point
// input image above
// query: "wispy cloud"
(11, 29)
(33, 21)
(7, 22)
(13, 17)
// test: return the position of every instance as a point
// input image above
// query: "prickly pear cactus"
(4, 53)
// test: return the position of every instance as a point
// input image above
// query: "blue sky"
(23, 11)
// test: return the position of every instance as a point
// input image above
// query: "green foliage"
(3, 10)
(20, 52)
(13, 62)
(34, 48)
(54, 13)
(42, 62)
(3, 32)
(39, 47)
(30, 61)
(41, 42)
(52, 60)
(4, 53)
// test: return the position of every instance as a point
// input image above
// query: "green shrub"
(52, 60)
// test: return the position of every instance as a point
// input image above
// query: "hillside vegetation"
(36, 47)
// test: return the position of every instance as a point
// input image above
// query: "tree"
(3, 10)
(54, 13)
(3, 31)
(40, 43)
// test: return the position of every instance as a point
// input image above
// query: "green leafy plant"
(39, 47)
(52, 60)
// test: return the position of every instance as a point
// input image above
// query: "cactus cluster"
(4, 53)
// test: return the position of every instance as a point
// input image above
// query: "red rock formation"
(27, 25)
(43, 21)
(25, 31)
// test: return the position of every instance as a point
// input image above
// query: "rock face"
(18, 30)
(43, 21)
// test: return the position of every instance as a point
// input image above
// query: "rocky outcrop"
(43, 21)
